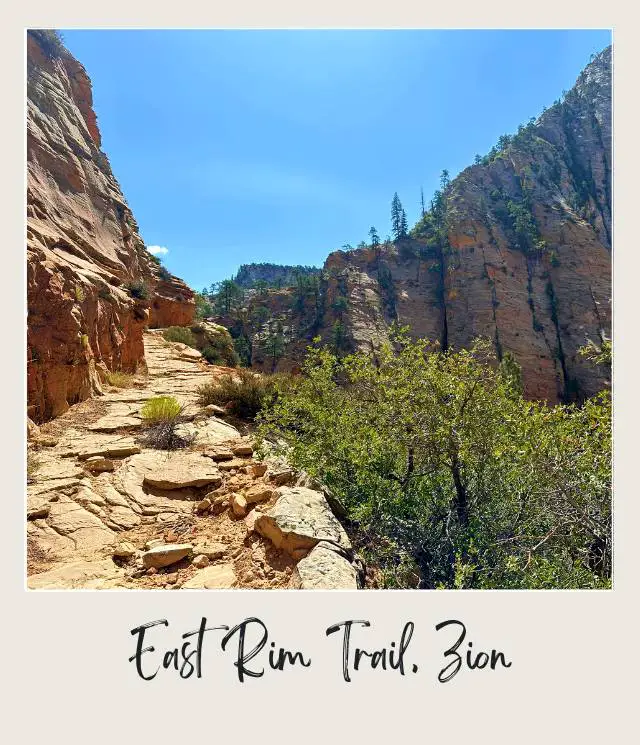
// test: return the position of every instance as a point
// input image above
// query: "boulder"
(214, 577)
(259, 493)
(219, 454)
(98, 464)
(124, 550)
(183, 470)
(281, 476)
(164, 556)
(213, 551)
(324, 568)
(243, 450)
(238, 505)
(299, 520)
(201, 561)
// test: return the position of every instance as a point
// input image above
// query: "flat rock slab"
(164, 556)
(112, 423)
(120, 448)
(216, 577)
(324, 569)
(94, 575)
(299, 520)
(184, 470)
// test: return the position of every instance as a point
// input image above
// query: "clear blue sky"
(241, 146)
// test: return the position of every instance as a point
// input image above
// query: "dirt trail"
(87, 527)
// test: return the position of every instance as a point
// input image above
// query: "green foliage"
(244, 393)
(262, 287)
(164, 273)
(50, 41)
(221, 351)
(340, 305)
(375, 238)
(137, 289)
(204, 309)
(447, 473)
(180, 334)
(600, 354)
(399, 225)
(160, 409)
(79, 293)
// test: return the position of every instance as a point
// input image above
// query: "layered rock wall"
(91, 286)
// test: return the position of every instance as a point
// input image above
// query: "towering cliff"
(517, 248)
(91, 286)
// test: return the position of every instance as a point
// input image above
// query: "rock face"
(522, 257)
(91, 285)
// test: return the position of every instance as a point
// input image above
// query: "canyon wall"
(518, 251)
(92, 287)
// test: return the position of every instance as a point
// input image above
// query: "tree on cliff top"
(399, 224)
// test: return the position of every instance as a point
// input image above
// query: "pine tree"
(404, 227)
(422, 201)
(398, 218)
(375, 238)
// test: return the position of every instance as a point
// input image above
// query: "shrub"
(79, 293)
(221, 351)
(164, 273)
(180, 334)
(164, 435)
(244, 393)
(119, 379)
(440, 463)
(161, 409)
(137, 289)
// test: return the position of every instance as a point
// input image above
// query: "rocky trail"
(103, 511)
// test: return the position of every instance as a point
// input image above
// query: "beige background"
(65, 665)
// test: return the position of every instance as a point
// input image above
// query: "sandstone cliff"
(517, 249)
(92, 287)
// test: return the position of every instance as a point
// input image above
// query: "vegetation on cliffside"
(448, 477)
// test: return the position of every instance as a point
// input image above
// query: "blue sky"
(240, 146)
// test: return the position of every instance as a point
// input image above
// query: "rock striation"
(92, 287)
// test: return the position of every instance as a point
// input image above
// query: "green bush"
(244, 393)
(441, 465)
(164, 273)
(160, 409)
(180, 334)
(137, 289)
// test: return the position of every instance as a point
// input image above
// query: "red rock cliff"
(91, 285)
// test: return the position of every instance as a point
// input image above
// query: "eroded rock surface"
(83, 247)
(104, 511)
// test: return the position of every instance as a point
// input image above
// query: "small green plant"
(119, 379)
(137, 289)
(180, 334)
(79, 293)
(84, 340)
(104, 293)
(161, 409)
(162, 416)
(164, 273)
